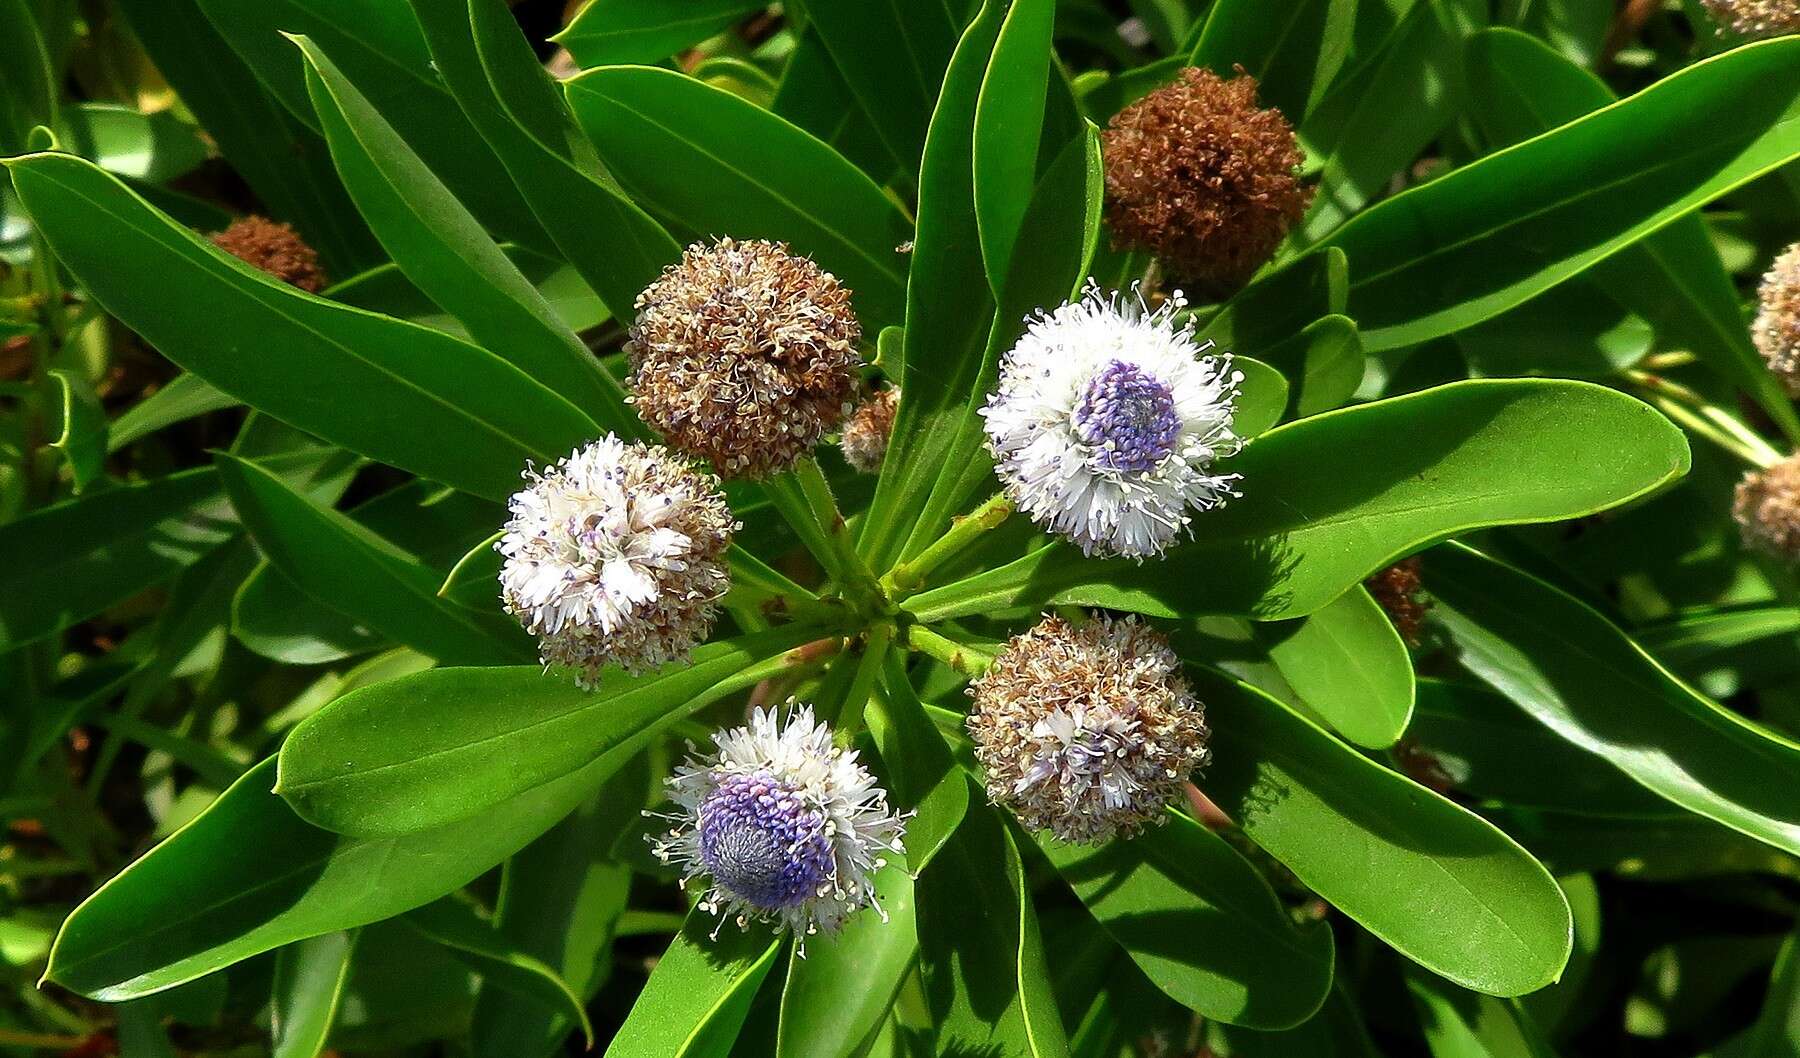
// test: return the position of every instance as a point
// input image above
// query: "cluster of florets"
(866, 432)
(1767, 509)
(274, 248)
(1777, 327)
(1087, 732)
(744, 355)
(1203, 179)
(615, 556)
(780, 825)
(1757, 18)
(1400, 592)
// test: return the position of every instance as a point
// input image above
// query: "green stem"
(964, 659)
(40, 1041)
(850, 716)
(910, 576)
(851, 572)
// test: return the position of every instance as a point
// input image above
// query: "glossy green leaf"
(491, 70)
(303, 1001)
(1294, 51)
(1459, 1024)
(1336, 1031)
(610, 32)
(347, 567)
(814, 95)
(1331, 499)
(28, 94)
(81, 436)
(892, 57)
(442, 249)
(1577, 673)
(979, 948)
(449, 410)
(153, 147)
(1348, 663)
(1009, 114)
(1262, 397)
(456, 925)
(1323, 364)
(718, 163)
(1439, 884)
(1473, 243)
(1519, 88)
(197, 903)
(443, 745)
(921, 774)
(1202, 924)
(382, 49)
(837, 994)
(185, 397)
(699, 993)
(1280, 304)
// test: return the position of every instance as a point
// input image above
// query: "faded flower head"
(1106, 422)
(1767, 509)
(1087, 732)
(744, 355)
(782, 824)
(1757, 18)
(274, 248)
(866, 432)
(1199, 176)
(1400, 592)
(615, 556)
(1777, 327)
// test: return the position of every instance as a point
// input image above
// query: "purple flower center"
(761, 842)
(1128, 416)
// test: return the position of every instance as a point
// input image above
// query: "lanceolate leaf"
(719, 164)
(1488, 236)
(1438, 883)
(1320, 512)
(1576, 672)
(447, 410)
(28, 92)
(303, 1001)
(455, 925)
(892, 57)
(1009, 114)
(698, 995)
(840, 990)
(921, 775)
(609, 32)
(1293, 51)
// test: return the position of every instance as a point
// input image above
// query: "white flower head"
(781, 824)
(615, 555)
(1087, 732)
(1107, 420)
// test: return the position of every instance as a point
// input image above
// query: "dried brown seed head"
(1767, 509)
(1757, 18)
(866, 432)
(744, 355)
(1400, 593)
(274, 248)
(1777, 327)
(1199, 176)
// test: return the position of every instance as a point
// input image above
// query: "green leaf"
(893, 58)
(185, 397)
(1486, 237)
(153, 147)
(1202, 924)
(1009, 114)
(1577, 673)
(428, 749)
(921, 774)
(303, 1002)
(1777, 1028)
(1280, 304)
(28, 94)
(838, 993)
(1323, 364)
(1348, 663)
(448, 410)
(81, 437)
(1459, 1024)
(1336, 1031)
(1331, 499)
(347, 567)
(982, 958)
(442, 248)
(1293, 51)
(1439, 884)
(197, 902)
(382, 49)
(612, 32)
(718, 163)
(699, 993)
(1519, 88)
(813, 95)
(1262, 397)
(455, 925)
(490, 68)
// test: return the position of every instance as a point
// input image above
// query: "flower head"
(1757, 18)
(1767, 509)
(866, 433)
(782, 824)
(615, 556)
(274, 248)
(1087, 732)
(1106, 422)
(744, 355)
(1777, 327)
(1400, 592)
(1199, 176)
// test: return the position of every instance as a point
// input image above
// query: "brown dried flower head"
(1767, 509)
(744, 355)
(1199, 176)
(1777, 327)
(1087, 732)
(274, 248)
(866, 432)
(1400, 593)
(1757, 18)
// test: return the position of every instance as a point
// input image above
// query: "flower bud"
(274, 248)
(1777, 327)
(1767, 509)
(866, 432)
